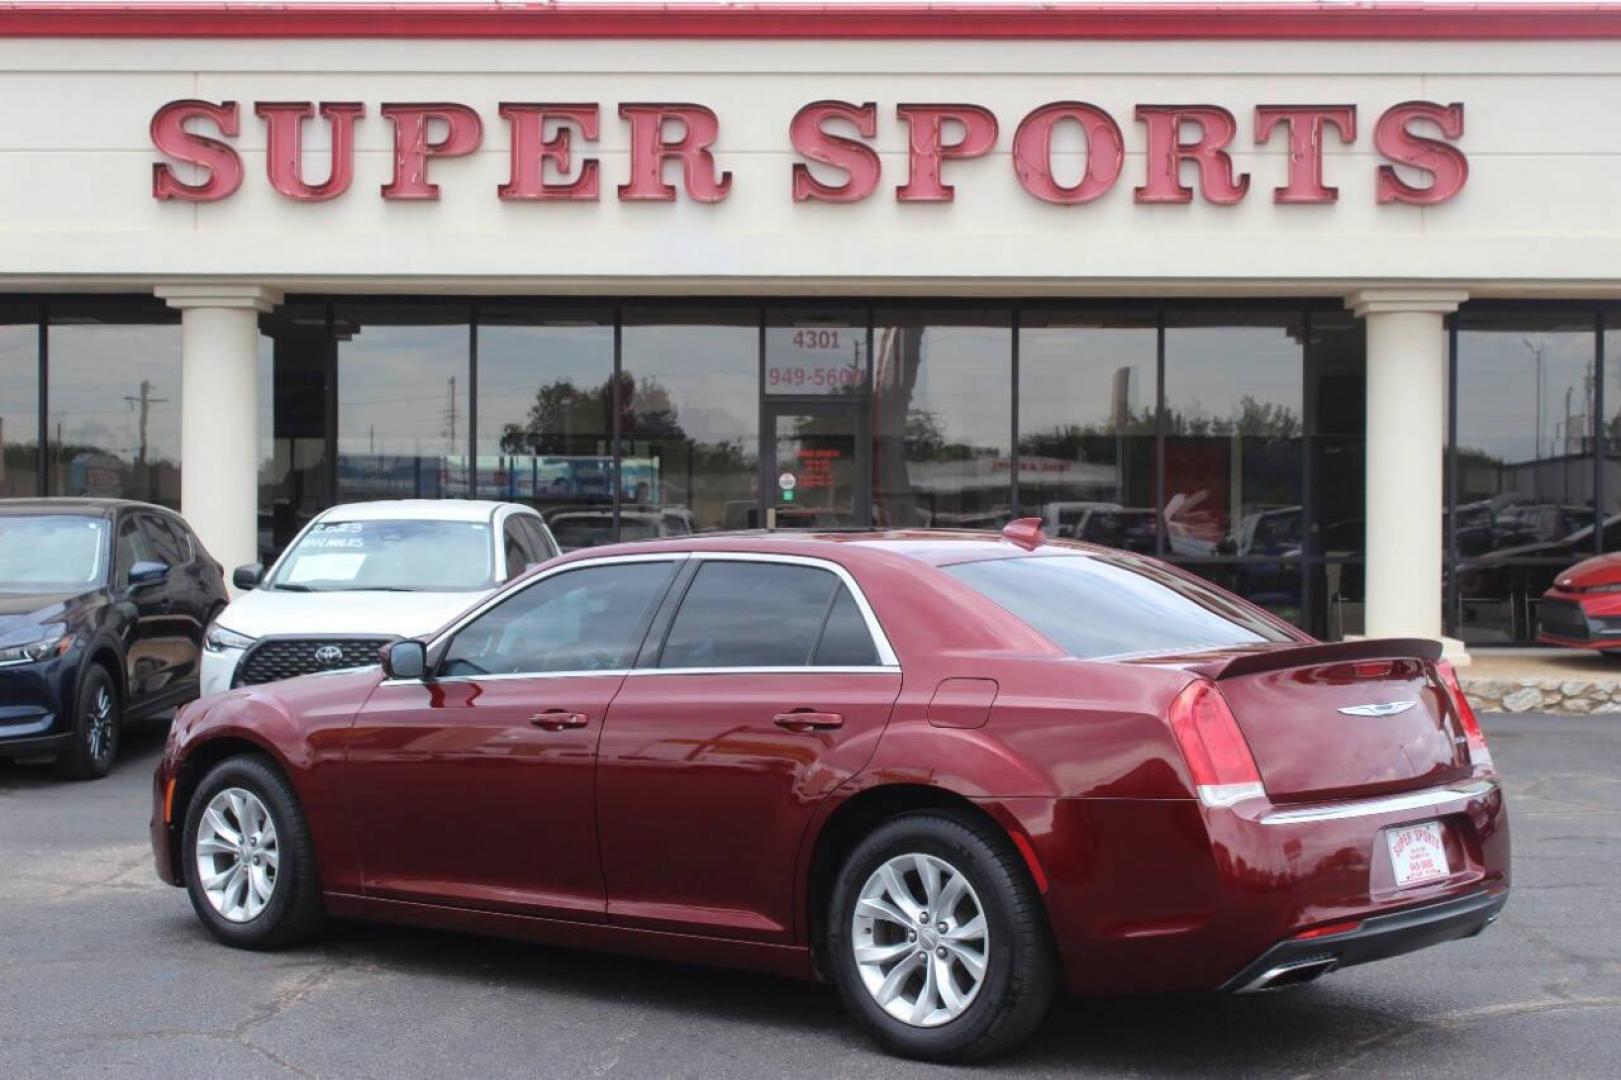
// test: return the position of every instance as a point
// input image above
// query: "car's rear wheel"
(938, 940)
(96, 721)
(249, 865)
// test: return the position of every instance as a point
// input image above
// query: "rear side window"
(1095, 606)
(845, 639)
(757, 614)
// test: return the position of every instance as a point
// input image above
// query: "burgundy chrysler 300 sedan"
(948, 771)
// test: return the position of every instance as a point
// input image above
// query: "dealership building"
(1313, 300)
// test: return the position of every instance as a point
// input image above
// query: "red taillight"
(1479, 756)
(1218, 757)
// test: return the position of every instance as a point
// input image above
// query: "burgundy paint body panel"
(681, 816)
(456, 796)
(703, 798)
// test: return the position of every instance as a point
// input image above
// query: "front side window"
(38, 553)
(389, 556)
(591, 619)
(1101, 606)
(753, 614)
(134, 546)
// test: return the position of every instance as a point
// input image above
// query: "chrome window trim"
(887, 660)
(514, 676)
(526, 583)
(1421, 800)
(803, 669)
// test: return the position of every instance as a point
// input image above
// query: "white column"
(219, 414)
(1407, 368)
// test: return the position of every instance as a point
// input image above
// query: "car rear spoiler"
(1337, 652)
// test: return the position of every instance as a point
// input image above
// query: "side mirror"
(405, 659)
(147, 573)
(249, 576)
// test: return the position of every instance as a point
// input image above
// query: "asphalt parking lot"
(103, 970)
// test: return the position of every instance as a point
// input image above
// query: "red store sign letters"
(546, 164)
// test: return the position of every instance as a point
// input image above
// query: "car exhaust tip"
(1294, 973)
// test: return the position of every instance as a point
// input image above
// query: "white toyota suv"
(363, 574)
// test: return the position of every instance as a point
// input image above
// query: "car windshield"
(52, 551)
(388, 556)
(1100, 606)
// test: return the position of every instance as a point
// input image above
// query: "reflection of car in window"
(577, 528)
(360, 575)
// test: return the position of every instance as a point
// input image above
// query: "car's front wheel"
(96, 722)
(249, 865)
(938, 939)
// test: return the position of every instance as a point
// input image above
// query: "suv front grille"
(283, 658)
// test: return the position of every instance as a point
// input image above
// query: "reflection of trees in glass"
(562, 411)
(1254, 419)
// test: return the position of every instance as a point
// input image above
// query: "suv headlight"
(219, 639)
(35, 651)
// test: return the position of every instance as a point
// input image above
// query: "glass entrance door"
(815, 472)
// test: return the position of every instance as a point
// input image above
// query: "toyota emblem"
(328, 654)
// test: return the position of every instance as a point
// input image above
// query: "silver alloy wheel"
(99, 723)
(237, 854)
(920, 940)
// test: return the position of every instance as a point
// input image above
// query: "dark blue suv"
(103, 607)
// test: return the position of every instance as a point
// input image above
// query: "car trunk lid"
(1341, 720)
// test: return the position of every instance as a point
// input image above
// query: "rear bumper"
(1377, 938)
(1154, 895)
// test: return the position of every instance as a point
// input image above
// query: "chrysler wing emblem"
(1389, 708)
(328, 654)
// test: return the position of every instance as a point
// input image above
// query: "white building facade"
(1312, 301)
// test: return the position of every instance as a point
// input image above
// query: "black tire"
(293, 912)
(1020, 973)
(97, 718)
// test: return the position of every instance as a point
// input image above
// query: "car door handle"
(807, 720)
(559, 720)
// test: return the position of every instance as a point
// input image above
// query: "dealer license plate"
(1417, 854)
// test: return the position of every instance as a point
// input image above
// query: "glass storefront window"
(943, 418)
(545, 414)
(19, 400)
(816, 351)
(1336, 411)
(689, 395)
(1233, 403)
(403, 395)
(1523, 468)
(298, 481)
(1087, 402)
(114, 399)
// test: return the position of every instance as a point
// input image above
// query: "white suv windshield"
(51, 550)
(389, 556)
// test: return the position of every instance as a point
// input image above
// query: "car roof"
(418, 510)
(936, 547)
(75, 506)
